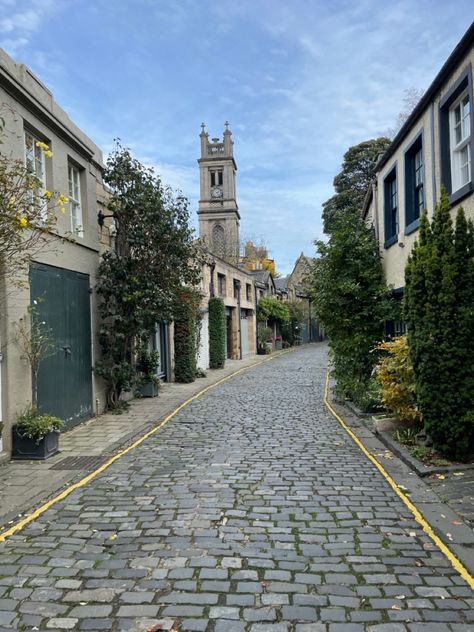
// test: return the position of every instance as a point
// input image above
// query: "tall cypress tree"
(439, 311)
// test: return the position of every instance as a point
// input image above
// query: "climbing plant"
(217, 324)
(187, 323)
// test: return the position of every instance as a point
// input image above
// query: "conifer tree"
(439, 312)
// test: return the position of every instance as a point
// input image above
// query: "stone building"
(433, 148)
(61, 278)
(219, 223)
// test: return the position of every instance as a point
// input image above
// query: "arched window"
(218, 239)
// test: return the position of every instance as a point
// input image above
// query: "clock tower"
(218, 211)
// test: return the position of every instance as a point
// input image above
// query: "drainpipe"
(211, 284)
(256, 321)
(433, 155)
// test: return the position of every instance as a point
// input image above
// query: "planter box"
(149, 390)
(28, 450)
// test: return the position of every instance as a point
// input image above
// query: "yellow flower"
(23, 221)
(41, 145)
(62, 199)
(47, 194)
(62, 209)
(48, 153)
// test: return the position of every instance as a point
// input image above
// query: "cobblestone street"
(250, 511)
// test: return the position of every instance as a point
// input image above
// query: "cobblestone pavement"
(457, 490)
(250, 511)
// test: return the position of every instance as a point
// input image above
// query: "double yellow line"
(456, 564)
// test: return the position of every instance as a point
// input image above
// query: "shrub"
(217, 325)
(439, 295)
(396, 378)
(32, 425)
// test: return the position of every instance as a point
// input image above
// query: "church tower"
(218, 211)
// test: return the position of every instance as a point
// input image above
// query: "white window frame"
(463, 146)
(75, 205)
(35, 163)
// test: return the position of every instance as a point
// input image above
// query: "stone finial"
(203, 128)
(227, 130)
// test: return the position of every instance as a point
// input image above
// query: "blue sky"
(299, 80)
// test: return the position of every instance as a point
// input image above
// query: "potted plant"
(35, 435)
(263, 335)
(148, 383)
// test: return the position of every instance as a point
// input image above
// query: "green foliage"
(186, 331)
(397, 380)
(406, 436)
(217, 327)
(353, 181)
(272, 309)
(139, 280)
(34, 426)
(298, 315)
(351, 302)
(438, 309)
(263, 335)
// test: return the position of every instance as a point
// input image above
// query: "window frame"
(77, 227)
(216, 176)
(412, 220)
(391, 177)
(32, 161)
(459, 89)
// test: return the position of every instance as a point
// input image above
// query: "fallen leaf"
(399, 596)
(412, 534)
(450, 537)
(395, 607)
(458, 473)
(419, 563)
(114, 536)
(457, 522)
(441, 477)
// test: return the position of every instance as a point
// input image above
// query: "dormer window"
(217, 177)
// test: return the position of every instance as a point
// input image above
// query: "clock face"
(216, 192)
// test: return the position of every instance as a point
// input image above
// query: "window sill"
(461, 193)
(390, 241)
(412, 226)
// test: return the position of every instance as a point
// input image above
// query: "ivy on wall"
(217, 326)
(187, 322)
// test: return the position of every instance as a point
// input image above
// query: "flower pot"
(150, 389)
(27, 449)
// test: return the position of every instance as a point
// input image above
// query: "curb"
(417, 466)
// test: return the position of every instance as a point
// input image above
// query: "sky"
(300, 81)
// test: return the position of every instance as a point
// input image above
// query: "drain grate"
(80, 463)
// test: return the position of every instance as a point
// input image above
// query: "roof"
(464, 45)
(281, 283)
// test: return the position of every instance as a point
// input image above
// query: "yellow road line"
(37, 513)
(456, 564)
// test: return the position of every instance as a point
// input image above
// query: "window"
(414, 191)
(74, 176)
(218, 239)
(248, 292)
(456, 138)
(460, 142)
(221, 284)
(217, 177)
(35, 163)
(391, 208)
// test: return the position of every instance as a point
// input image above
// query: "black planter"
(28, 450)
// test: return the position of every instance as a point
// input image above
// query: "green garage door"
(65, 378)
